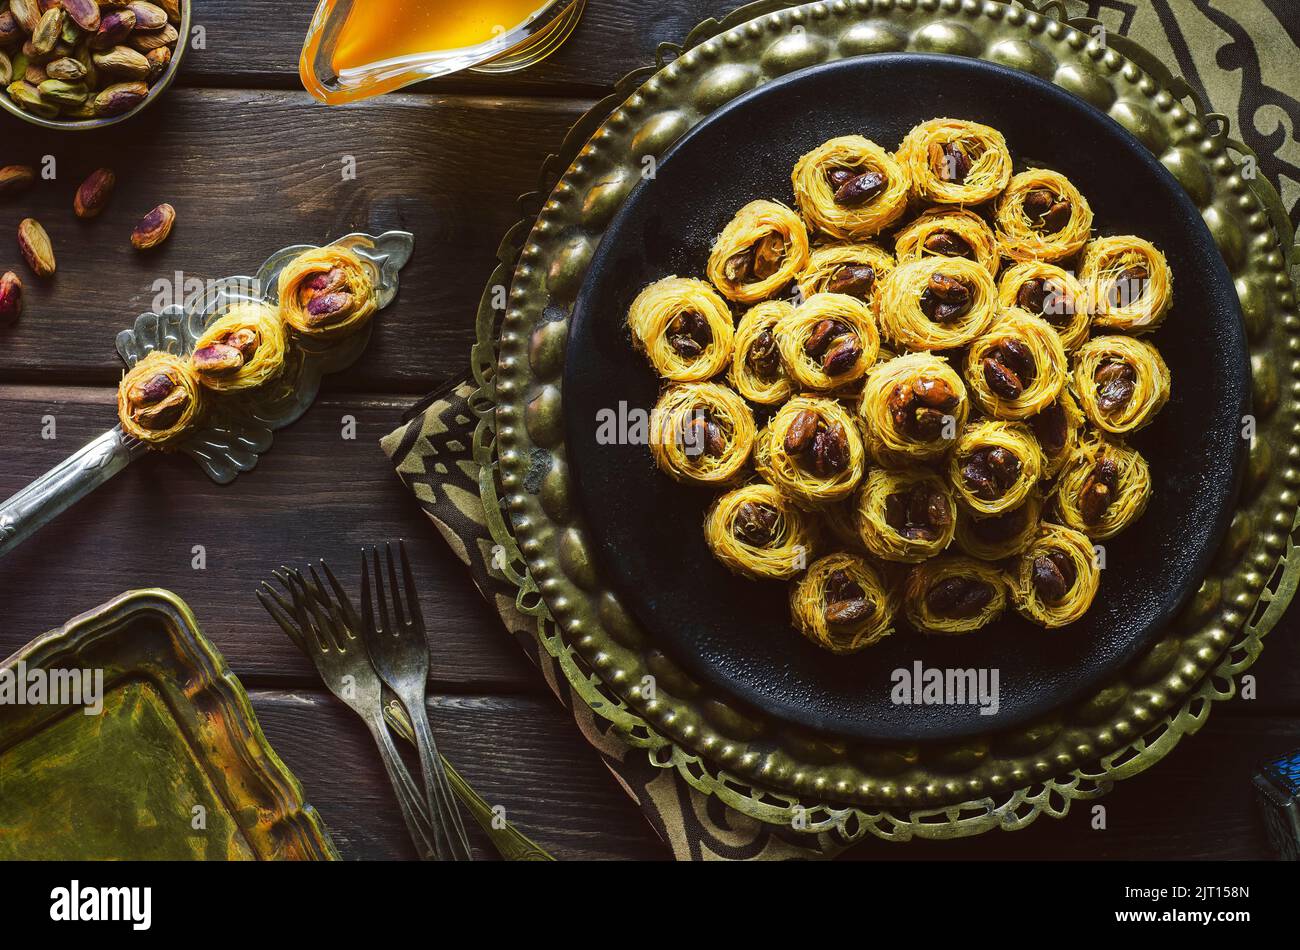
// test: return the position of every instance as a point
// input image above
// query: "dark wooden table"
(251, 164)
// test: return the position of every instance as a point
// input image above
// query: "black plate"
(736, 634)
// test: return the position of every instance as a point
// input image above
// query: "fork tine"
(308, 606)
(344, 601)
(275, 607)
(381, 595)
(319, 603)
(398, 610)
(367, 605)
(412, 596)
(286, 577)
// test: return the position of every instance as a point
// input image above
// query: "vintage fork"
(399, 650)
(322, 629)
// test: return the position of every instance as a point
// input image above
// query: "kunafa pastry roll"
(759, 533)
(1042, 217)
(843, 604)
(159, 400)
(1130, 284)
(243, 349)
(762, 249)
(828, 341)
(1122, 382)
(850, 188)
(936, 303)
(1018, 368)
(701, 432)
(811, 451)
(328, 293)
(757, 372)
(953, 595)
(1056, 577)
(949, 232)
(685, 329)
(1103, 488)
(905, 515)
(955, 162)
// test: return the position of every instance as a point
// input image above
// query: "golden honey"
(361, 48)
(378, 30)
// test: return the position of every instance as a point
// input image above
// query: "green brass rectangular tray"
(174, 766)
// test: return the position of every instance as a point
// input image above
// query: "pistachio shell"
(94, 193)
(11, 297)
(6, 69)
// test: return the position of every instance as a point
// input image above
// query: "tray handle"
(61, 487)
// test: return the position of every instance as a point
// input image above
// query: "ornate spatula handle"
(62, 486)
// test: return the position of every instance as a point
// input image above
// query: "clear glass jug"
(361, 48)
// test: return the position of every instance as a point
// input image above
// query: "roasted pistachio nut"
(62, 93)
(34, 75)
(29, 100)
(84, 13)
(48, 30)
(120, 97)
(15, 178)
(66, 69)
(159, 401)
(36, 248)
(173, 8)
(114, 28)
(122, 62)
(94, 193)
(6, 69)
(144, 42)
(154, 228)
(148, 16)
(27, 13)
(11, 34)
(11, 297)
(159, 59)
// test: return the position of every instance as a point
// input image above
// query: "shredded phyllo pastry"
(758, 532)
(328, 293)
(701, 432)
(1130, 286)
(684, 328)
(1048, 291)
(995, 537)
(905, 515)
(853, 269)
(1122, 382)
(811, 451)
(955, 162)
(850, 188)
(159, 399)
(756, 370)
(995, 466)
(243, 349)
(944, 403)
(1103, 488)
(828, 341)
(912, 408)
(1056, 577)
(954, 594)
(843, 603)
(949, 232)
(1042, 217)
(763, 248)
(1018, 368)
(936, 303)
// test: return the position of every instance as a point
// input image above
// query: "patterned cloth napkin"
(1240, 61)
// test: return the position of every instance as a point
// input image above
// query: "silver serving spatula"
(238, 429)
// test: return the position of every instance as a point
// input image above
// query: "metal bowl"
(82, 125)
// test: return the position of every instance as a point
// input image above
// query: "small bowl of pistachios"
(86, 64)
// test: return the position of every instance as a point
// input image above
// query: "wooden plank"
(314, 495)
(257, 43)
(251, 172)
(521, 753)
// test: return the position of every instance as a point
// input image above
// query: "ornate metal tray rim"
(924, 791)
(278, 823)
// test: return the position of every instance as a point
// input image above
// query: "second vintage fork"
(322, 629)
(392, 627)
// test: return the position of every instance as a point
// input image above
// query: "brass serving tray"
(173, 767)
(771, 770)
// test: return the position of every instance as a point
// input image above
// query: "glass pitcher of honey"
(361, 48)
